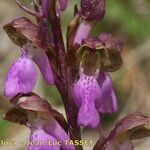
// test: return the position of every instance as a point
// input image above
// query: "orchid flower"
(50, 133)
(43, 122)
(22, 76)
(93, 92)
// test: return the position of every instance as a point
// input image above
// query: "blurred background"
(130, 21)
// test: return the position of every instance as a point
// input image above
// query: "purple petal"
(54, 129)
(88, 115)
(83, 31)
(44, 139)
(85, 93)
(40, 58)
(21, 77)
(108, 103)
(38, 134)
(111, 42)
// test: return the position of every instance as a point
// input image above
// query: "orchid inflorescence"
(78, 69)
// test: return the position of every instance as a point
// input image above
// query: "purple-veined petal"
(40, 58)
(83, 31)
(21, 77)
(85, 92)
(53, 128)
(111, 42)
(88, 115)
(108, 103)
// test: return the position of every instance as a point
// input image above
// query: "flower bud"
(93, 9)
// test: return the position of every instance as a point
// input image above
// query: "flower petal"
(88, 115)
(111, 54)
(38, 134)
(21, 77)
(83, 31)
(85, 93)
(40, 58)
(108, 47)
(40, 140)
(22, 30)
(53, 128)
(111, 42)
(108, 104)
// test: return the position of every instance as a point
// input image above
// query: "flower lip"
(88, 115)
(85, 92)
(21, 77)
